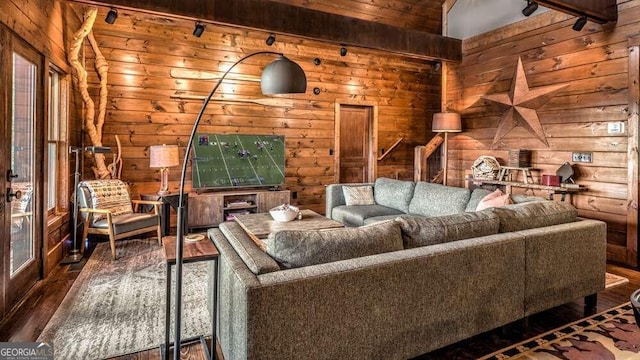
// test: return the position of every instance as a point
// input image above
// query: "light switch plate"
(582, 157)
(615, 127)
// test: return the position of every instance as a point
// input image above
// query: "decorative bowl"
(284, 213)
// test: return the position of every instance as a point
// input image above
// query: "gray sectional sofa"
(401, 287)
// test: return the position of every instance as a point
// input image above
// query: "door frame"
(373, 137)
(9, 294)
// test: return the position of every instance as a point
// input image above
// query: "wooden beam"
(293, 20)
(600, 11)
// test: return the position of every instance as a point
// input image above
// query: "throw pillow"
(358, 195)
(495, 199)
(299, 248)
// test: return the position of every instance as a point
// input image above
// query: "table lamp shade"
(163, 156)
(446, 122)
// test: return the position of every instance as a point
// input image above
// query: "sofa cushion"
(534, 214)
(298, 248)
(438, 200)
(494, 199)
(522, 198)
(358, 195)
(395, 194)
(356, 215)
(255, 258)
(375, 219)
(422, 231)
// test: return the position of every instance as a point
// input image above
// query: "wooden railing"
(421, 154)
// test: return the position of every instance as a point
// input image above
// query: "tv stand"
(209, 209)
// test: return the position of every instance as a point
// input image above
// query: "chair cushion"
(110, 195)
(395, 194)
(128, 222)
(534, 214)
(358, 195)
(438, 200)
(422, 231)
(298, 248)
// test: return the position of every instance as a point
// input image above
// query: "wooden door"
(355, 144)
(21, 159)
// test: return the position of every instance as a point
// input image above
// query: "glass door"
(22, 241)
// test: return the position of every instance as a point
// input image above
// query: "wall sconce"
(198, 30)
(111, 17)
(271, 39)
(531, 7)
(580, 23)
(343, 51)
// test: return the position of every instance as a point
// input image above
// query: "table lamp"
(163, 157)
(446, 122)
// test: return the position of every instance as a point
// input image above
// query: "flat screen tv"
(231, 161)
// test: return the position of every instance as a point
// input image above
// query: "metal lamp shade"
(446, 122)
(283, 76)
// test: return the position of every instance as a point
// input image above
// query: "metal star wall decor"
(522, 103)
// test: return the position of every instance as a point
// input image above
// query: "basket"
(485, 168)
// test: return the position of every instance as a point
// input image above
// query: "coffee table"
(258, 226)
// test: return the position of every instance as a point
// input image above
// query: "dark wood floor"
(29, 318)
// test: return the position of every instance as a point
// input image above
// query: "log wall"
(594, 62)
(148, 55)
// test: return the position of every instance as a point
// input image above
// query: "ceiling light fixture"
(531, 7)
(271, 39)
(111, 17)
(198, 30)
(580, 23)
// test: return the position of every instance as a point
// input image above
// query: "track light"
(271, 39)
(198, 30)
(343, 51)
(580, 23)
(112, 15)
(531, 7)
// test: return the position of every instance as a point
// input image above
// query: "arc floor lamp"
(282, 76)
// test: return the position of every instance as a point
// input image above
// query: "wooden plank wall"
(47, 26)
(594, 62)
(143, 49)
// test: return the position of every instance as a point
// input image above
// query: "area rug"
(118, 307)
(609, 335)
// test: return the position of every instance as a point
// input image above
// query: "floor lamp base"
(75, 256)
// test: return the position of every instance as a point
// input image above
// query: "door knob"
(13, 195)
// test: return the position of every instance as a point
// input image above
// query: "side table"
(172, 200)
(203, 250)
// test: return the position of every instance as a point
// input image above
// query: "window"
(56, 142)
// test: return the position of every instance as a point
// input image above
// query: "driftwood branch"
(92, 125)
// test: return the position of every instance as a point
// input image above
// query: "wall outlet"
(615, 127)
(582, 157)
